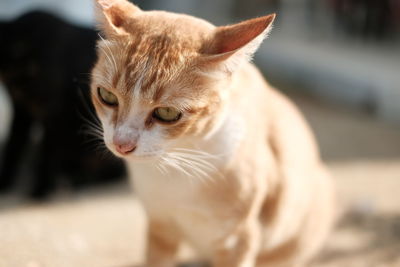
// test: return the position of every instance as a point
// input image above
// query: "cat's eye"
(167, 114)
(107, 97)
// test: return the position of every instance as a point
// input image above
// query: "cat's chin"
(140, 158)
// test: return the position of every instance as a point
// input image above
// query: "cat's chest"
(165, 194)
(178, 200)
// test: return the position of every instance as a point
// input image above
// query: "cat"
(218, 158)
(45, 64)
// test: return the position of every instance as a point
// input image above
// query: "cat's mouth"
(133, 153)
(140, 157)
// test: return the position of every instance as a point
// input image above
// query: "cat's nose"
(125, 148)
(125, 140)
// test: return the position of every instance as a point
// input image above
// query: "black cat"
(44, 64)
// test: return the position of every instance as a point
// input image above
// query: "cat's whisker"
(197, 152)
(194, 167)
(161, 167)
(197, 159)
(95, 127)
(93, 135)
(188, 163)
(95, 131)
(203, 158)
(96, 147)
(95, 122)
(175, 164)
(92, 130)
(197, 166)
(93, 140)
(162, 164)
(107, 56)
(105, 154)
(110, 54)
(210, 169)
(92, 126)
(199, 156)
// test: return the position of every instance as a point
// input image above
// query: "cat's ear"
(114, 16)
(229, 46)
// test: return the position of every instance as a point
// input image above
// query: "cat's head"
(162, 78)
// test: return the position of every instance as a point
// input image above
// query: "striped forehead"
(143, 67)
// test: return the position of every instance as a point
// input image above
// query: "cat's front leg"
(239, 248)
(162, 246)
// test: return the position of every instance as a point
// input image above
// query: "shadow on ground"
(377, 236)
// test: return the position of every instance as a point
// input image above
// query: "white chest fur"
(175, 196)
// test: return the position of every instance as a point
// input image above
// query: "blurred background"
(339, 60)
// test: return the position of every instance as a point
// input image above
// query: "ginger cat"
(218, 158)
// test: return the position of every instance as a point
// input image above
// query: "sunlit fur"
(238, 176)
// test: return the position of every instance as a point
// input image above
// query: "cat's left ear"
(229, 46)
(114, 16)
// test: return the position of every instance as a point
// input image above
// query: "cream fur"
(239, 177)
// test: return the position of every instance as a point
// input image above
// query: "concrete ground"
(105, 227)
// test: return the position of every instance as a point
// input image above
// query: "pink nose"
(125, 148)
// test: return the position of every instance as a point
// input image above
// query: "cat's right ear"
(229, 46)
(114, 16)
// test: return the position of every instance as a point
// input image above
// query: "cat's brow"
(137, 88)
(149, 63)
